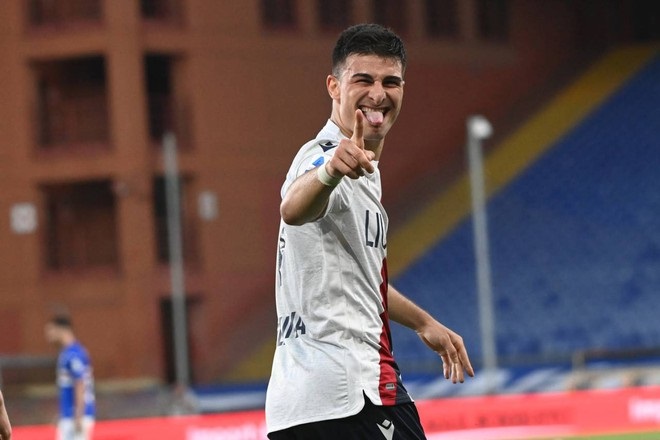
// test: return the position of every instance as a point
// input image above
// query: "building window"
(80, 225)
(161, 10)
(63, 12)
(279, 14)
(441, 18)
(71, 103)
(390, 13)
(164, 105)
(334, 14)
(194, 305)
(159, 95)
(188, 223)
(493, 19)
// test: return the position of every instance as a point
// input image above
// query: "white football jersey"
(333, 334)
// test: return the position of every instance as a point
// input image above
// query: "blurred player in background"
(334, 375)
(5, 426)
(74, 380)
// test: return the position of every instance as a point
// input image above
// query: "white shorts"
(66, 429)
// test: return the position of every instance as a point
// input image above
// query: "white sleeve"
(312, 155)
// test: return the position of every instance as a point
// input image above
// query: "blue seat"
(575, 244)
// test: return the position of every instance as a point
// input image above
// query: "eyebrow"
(394, 78)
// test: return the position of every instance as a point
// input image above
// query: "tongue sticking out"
(374, 117)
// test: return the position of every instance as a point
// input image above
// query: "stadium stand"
(575, 244)
(575, 248)
(562, 246)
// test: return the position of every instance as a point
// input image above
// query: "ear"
(332, 84)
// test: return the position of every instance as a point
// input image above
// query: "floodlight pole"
(479, 128)
(175, 246)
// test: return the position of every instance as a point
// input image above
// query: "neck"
(67, 340)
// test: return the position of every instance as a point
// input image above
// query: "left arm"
(448, 344)
(5, 426)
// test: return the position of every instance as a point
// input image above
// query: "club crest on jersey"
(289, 326)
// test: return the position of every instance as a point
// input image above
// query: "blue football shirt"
(73, 364)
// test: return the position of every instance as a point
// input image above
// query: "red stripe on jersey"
(387, 386)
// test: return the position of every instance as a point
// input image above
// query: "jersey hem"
(348, 413)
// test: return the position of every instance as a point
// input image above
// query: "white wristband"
(325, 178)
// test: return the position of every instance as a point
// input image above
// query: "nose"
(377, 92)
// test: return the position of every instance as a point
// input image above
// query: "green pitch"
(637, 436)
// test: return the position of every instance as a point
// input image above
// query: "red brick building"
(88, 87)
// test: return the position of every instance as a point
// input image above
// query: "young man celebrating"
(74, 380)
(333, 373)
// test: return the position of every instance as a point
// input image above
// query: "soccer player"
(333, 374)
(5, 426)
(74, 380)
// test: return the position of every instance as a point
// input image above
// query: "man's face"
(52, 333)
(372, 84)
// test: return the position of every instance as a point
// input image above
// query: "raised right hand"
(351, 159)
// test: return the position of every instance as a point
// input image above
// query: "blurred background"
(88, 88)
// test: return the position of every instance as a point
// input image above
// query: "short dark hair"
(61, 321)
(367, 39)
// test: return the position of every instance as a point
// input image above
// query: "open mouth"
(374, 115)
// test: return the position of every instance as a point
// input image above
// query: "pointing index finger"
(358, 129)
